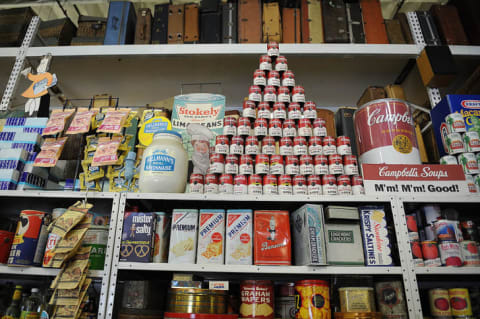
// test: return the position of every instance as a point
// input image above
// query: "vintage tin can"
(469, 230)
(329, 185)
(350, 165)
(263, 110)
(305, 127)
(240, 186)
(314, 185)
(448, 160)
(470, 254)
(288, 79)
(270, 94)
(255, 184)
(455, 123)
(343, 185)
(196, 183)
(315, 145)
(229, 126)
(391, 300)
(279, 111)
(254, 93)
(289, 128)
(211, 184)
(412, 226)
(286, 146)
(237, 145)
(273, 78)
(445, 230)
(469, 163)
(273, 50)
(319, 128)
(257, 299)
(343, 145)
(460, 302)
(335, 164)
(472, 188)
(285, 301)
(260, 127)
(306, 165)
(417, 255)
(298, 94)
(196, 300)
(357, 185)
(329, 146)
(231, 164)
(300, 145)
(310, 110)
(251, 145)
(52, 241)
(270, 185)
(471, 141)
(450, 254)
(225, 185)
(249, 109)
(262, 164)
(97, 237)
(299, 185)
(265, 63)
(294, 111)
(432, 213)
(275, 128)
(259, 78)
(356, 299)
(268, 145)
(313, 299)
(285, 185)
(454, 143)
(431, 257)
(291, 165)
(281, 64)
(439, 302)
(222, 144)
(244, 126)
(283, 94)
(321, 164)
(246, 165)
(276, 165)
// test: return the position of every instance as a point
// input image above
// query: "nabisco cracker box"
(239, 237)
(308, 235)
(211, 236)
(376, 244)
(272, 238)
(183, 236)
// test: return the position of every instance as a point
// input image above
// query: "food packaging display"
(272, 244)
(183, 236)
(239, 237)
(211, 236)
(376, 242)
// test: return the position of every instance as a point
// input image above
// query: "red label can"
(314, 185)
(417, 253)
(285, 185)
(249, 109)
(299, 185)
(196, 183)
(260, 127)
(439, 303)
(272, 48)
(305, 127)
(288, 79)
(430, 254)
(321, 164)
(231, 164)
(315, 145)
(350, 165)
(279, 111)
(329, 146)
(246, 165)
(286, 146)
(240, 185)
(343, 185)
(343, 145)
(225, 184)
(298, 94)
(265, 63)
(270, 184)
(310, 110)
(268, 145)
(270, 94)
(244, 126)
(283, 94)
(275, 128)
(217, 163)
(256, 295)
(319, 128)
(236, 146)
(289, 128)
(281, 64)
(255, 184)
(306, 165)
(229, 126)
(262, 164)
(294, 111)
(6, 240)
(470, 253)
(329, 185)
(222, 144)
(276, 165)
(375, 118)
(273, 78)
(263, 110)
(291, 165)
(259, 78)
(450, 254)
(335, 164)
(251, 145)
(357, 185)
(255, 93)
(300, 146)
(211, 184)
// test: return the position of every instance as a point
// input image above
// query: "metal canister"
(289, 128)
(225, 185)
(229, 126)
(217, 163)
(299, 185)
(356, 299)
(273, 78)
(343, 185)
(231, 164)
(431, 256)
(244, 126)
(251, 145)
(391, 300)
(321, 164)
(285, 185)
(196, 183)
(286, 146)
(470, 254)
(246, 165)
(283, 94)
(357, 185)
(276, 165)
(329, 146)
(446, 230)
(263, 110)
(314, 185)
(257, 299)
(313, 299)
(265, 63)
(319, 128)
(335, 164)
(350, 165)
(211, 184)
(291, 165)
(343, 145)
(259, 78)
(255, 93)
(329, 185)
(288, 79)
(270, 94)
(448, 160)
(195, 300)
(262, 164)
(275, 128)
(273, 49)
(255, 184)
(222, 144)
(294, 111)
(472, 188)
(279, 111)
(439, 302)
(240, 186)
(97, 237)
(417, 255)
(270, 185)
(450, 254)
(249, 109)
(237, 145)
(455, 123)
(469, 163)
(260, 127)
(300, 145)
(285, 301)
(298, 94)
(6, 239)
(471, 140)
(315, 145)
(310, 110)
(306, 165)
(281, 64)
(460, 302)
(268, 145)
(454, 143)
(305, 127)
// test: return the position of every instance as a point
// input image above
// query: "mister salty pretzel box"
(272, 238)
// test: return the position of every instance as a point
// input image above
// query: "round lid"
(312, 282)
(167, 132)
(198, 316)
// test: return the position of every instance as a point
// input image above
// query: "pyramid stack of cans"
(279, 146)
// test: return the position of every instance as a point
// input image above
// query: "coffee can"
(350, 165)
(291, 165)
(229, 126)
(298, 94)
(222, 144)
(240, 186)
(275, 128)
(237, 145)
(431, 256)
(289, 128)
(343, 145)
(281, 64)
(251, 145)
(286, 146)
(225, 185)
(300, 145)
(329, 185)
(246, 165)
(288, 79)
(294, 111)
(259, 78)
(196, 184)
(270, 185)
(268, 145)
(310, 110)
(319, 128)
(314, 185)
(329, 146)
(343, 185)
(273, 78)
(265, 63)
(315, 145)
(450, 254)
(263, 110)
(279, 111)
(321, 164)
(299, 185)
(270, 94)
(231, 164)
(305, 127)
(211, 184)
(357, 185)
(276, 165)
(335, 164)
(254, 93)
(470, 254)
(260, 127)
(217, 163)
(283, 94)
(272, 49)
(255, 184)
(285, 185)
(262, 164)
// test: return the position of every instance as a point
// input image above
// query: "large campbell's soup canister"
(386, 133)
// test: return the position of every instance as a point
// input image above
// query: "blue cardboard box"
(121, 23)
(138, 237)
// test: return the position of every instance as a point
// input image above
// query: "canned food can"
(305, 127)
(52, 241)
(472, 188)
(343, 185)
(313, 299)
(439, 302)
(240, 186)
(273, 78)
(246, 165)
(299, 185)
(470, 254)
(329, 185)
(329, 146)
(259, 78)
(357, 185)
(251, 145)
(196, 183)
(471, 141)
(469, 163)
(289, 128)
(268, 145)
(285, 307)
(262, 164)
(315, 145)
(319, 128)
(285, 185)
(286, 146)
(231, 164)
(283, 94)
(229, 126)
(264, 110)
(260, 127)
(275, 128)
(448, 160)
(255, 93)
(391, 300)
(288, 79)
(314, 185)
(321, 164)
(249, 109)
(225, 185)
(265, 63)
(356, 299)
(412, 226)
(276, 165)
(432, 213)
(257, 299)
(300, 145)
(476, 181)
(211, 184)
(343, 145)
(237, 145)
(273, 50)
(450, 254)
(281, 64)
(445, 230)
(270, 184)
(455, 123)
(454, 143)
(270, 94)
(244, 126)
(279, 111)
(255, 184)
(460, 302)
(97, 237)
(469, 230)
(350, 165)
(222, 144)
(310, 110)
(306, 165)
(417, 253)
(294, 111)
(291, 165)
(298, 94)
(431, 257)
(335, 165)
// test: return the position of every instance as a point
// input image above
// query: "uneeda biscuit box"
(272, 244)
(211, 237)
(308, 235)
(183, 236)
(138, 237)
(239, 237)
(376, 243)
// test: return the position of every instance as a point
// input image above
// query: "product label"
(137, 237)
(340, 236)
(183, 238)
(211, 237)
(159, 161)
(239, 238)
(375, 237)
(272, 238)
(314, 189)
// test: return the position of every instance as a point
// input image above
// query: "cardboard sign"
(414, 179)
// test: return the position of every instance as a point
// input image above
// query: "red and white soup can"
(268, 145)
(229, 126)
(246, 165)
(305, 127)
(263, 110)
(321, 164)
(314, 185)
(279, 111)
(291, 165)
(270, 185)
(270, 94)
(211, 184)
(281, 64)
(265, 63)
(259, 78)
(231, 164)
(319, 128)
(329, 185)
(298, 94)
(299, 186)
(255, 185)
(288, 79)
(276, 165)
(260, 127)
(225, 185)
(283, 94)
(251, 145)
(286, 146)
(357, 185)
(262, 164)
(249, 109)
(289, 128)
(300, 145)
(275, 128)
(306, 165)
(343, 185)
(244, 126)
(294, 111)
(217, 163)
(285, 185)
(240, 185)
(196, 183)
(237, 145)
(335, 164)
(255, 93)
(315, 146)
(222, 144)
(273, 49)
(350, 165)
(310, 110)
(343, 145)
(329, 145)
(274, 78)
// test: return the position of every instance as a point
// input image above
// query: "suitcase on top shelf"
(329, 118)
(373, 24)
(175, 23)
(191, 23)
(355, 22)
(249, 21)
(394, 32)
(402, 18)
(469, 11)
(291, 25)
(91, 27)
(13, 25)
(209, 6)
(395, 91)
(229, 23)
(120, 23)
(371, 93)
(272, 22)
(315, 21)
(335, 21)
(305, 31)
(429, 29)
(449, 25)
(61, 30)
(143, 29)
(419, 5)
(160, 24)
(211, 27)
(86, 41)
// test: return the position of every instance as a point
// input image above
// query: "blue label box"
(138, 237)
